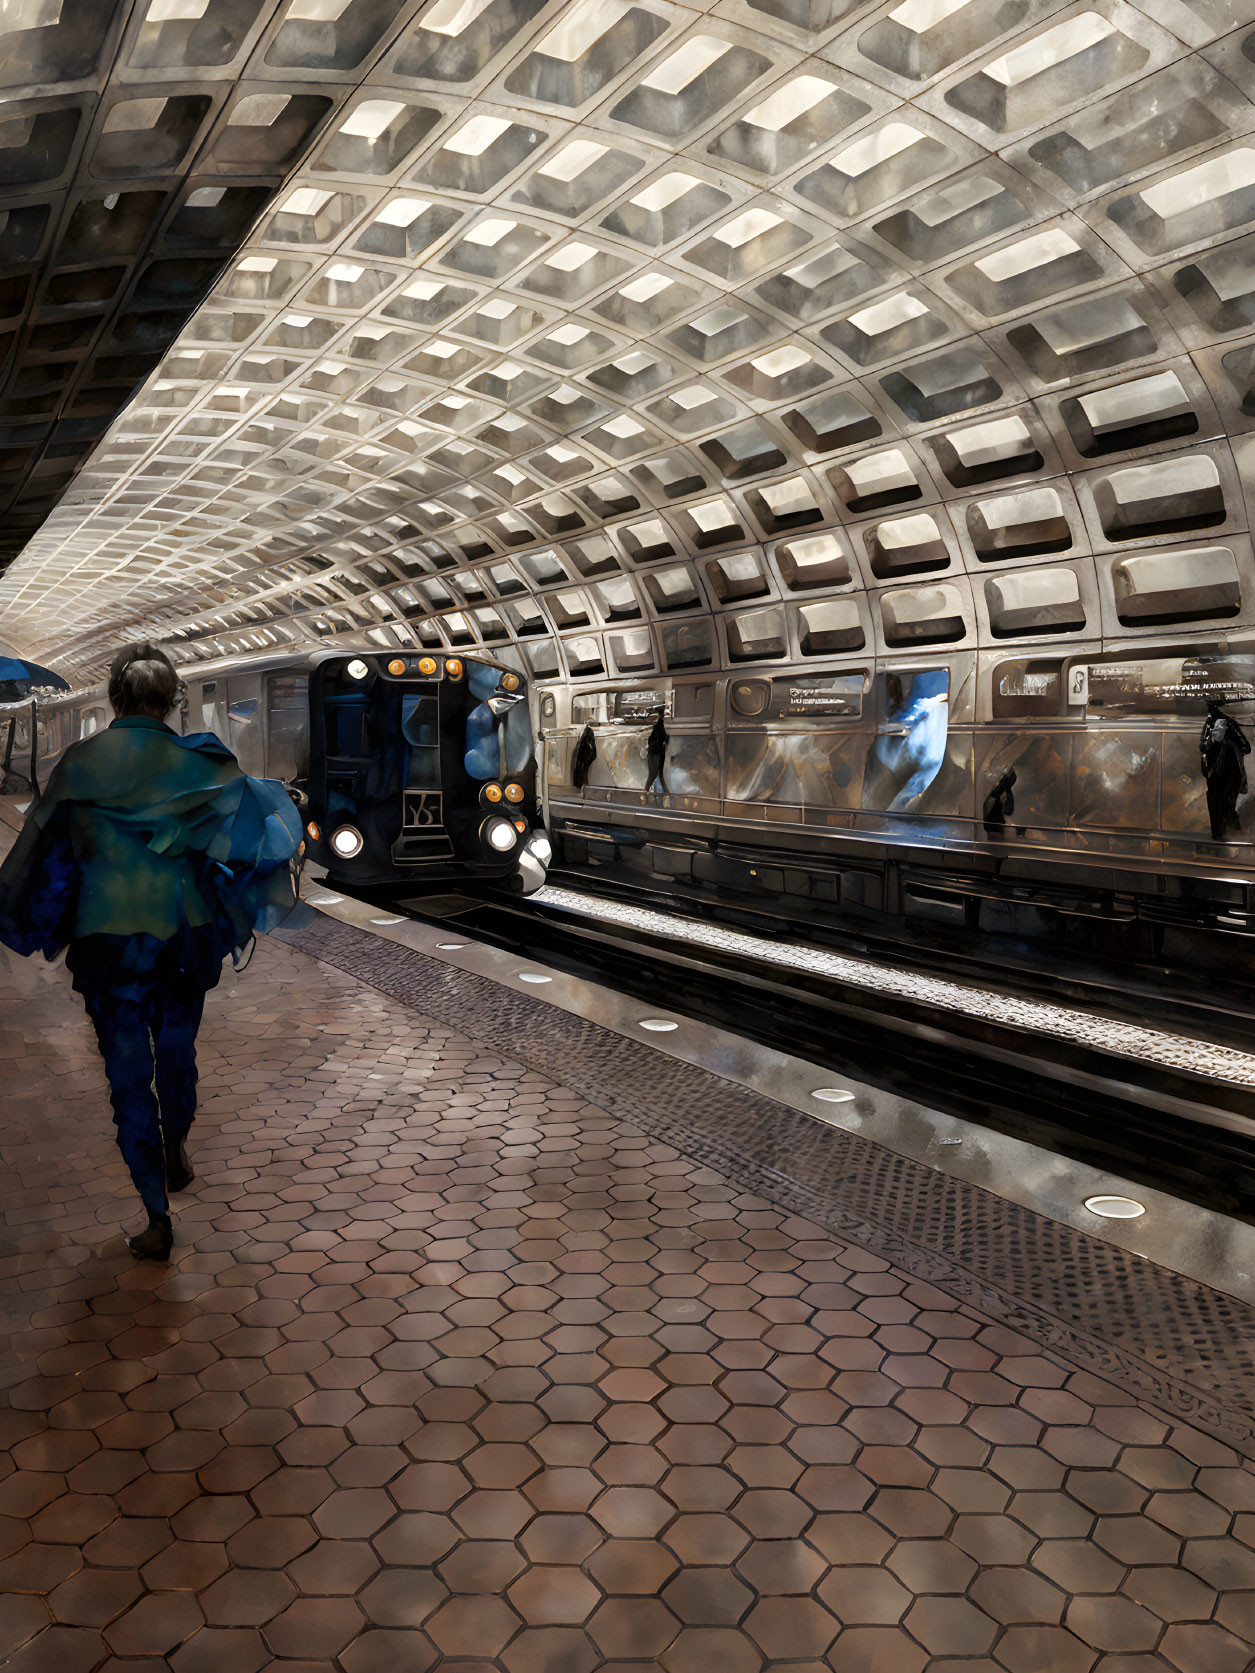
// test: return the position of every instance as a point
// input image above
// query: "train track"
(1175, 1128)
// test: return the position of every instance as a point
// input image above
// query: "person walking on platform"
(149, 857)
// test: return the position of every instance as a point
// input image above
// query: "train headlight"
(427, 665)
(398, 665)
(514, 792)
(509, 682)
(313, 833)
(520, 826)
(348, 842)
(357, 669)
(492, 793)
(453, 668)
(501, 835)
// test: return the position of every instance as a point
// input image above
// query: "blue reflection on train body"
(917, 708)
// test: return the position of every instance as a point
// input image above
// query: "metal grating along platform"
(1161, 1337)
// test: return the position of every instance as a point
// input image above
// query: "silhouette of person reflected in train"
(1000, 804)
(149, 857)
(656, 752)
(585, 755)
(1224, 747)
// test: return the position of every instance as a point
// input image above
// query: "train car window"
(642, 704)
(213, 714)
(633, 707)
(1027, 686)
(287, 726)
(93, 722)
(548, 706)
(592, 708)
(244, 725)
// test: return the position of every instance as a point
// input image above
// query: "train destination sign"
(816, 696)
(1163, 685)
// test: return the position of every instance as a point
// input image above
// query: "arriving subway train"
(409, 769)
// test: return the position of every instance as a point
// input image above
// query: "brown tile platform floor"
(455, 1368)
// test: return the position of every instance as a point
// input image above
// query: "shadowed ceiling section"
(626, 339)
(139, 140)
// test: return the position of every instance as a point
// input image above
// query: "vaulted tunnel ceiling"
(139, 140)
(641, 337)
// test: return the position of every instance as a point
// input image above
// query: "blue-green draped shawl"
(143, 832)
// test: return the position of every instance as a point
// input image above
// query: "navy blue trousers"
(145, 1003)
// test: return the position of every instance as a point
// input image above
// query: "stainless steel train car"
(1007, 791)
(410, 770)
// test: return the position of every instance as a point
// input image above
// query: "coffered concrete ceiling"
(139, 140)
(624, 337)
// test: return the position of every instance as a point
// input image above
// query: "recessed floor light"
(658, 1025)
(834, 1094)
(387, 920)
(1115, 1208)
(451, 946)
(533, 976)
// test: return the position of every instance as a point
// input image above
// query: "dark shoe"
(179, 1173)
(155, 1241)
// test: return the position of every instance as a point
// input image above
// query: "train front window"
(498, 738)
(420, 723)
(346, 729)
